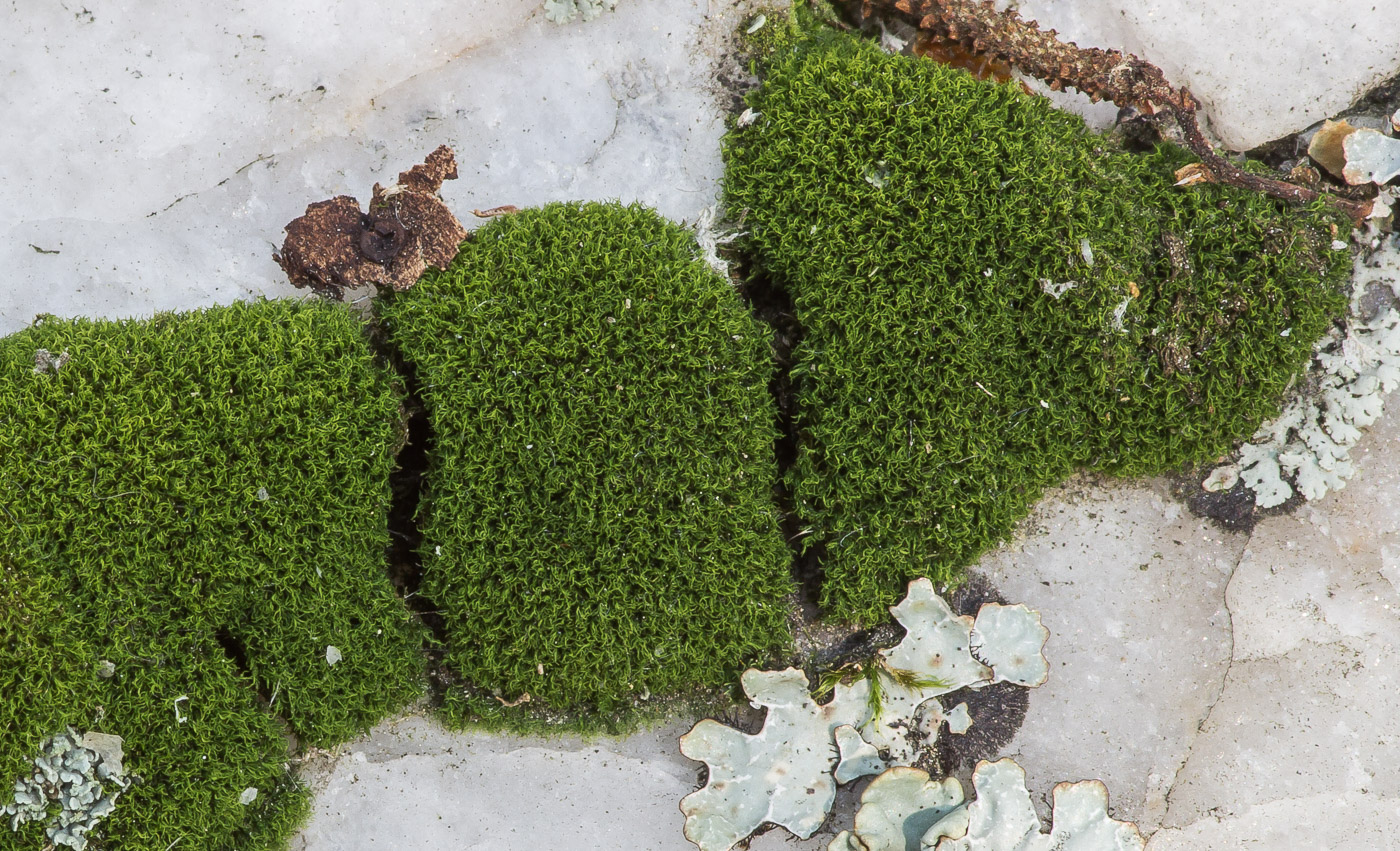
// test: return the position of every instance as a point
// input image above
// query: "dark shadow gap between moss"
(771, 304)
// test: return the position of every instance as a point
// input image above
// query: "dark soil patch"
(1232, 510)
(997, 710)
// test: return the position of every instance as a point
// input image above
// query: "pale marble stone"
(1131, 588)
(1261, 71)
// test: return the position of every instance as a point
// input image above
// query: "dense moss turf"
(193, 507)
(923, 222)
(199, 500)
(598, 521)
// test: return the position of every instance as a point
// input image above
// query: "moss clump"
(918, 218)
(199, 500)
(597, 521)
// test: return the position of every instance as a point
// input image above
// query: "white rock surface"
(1312, 699)
(414, 784)
(159, 148)
(1242, 690)
(1131, 587)
(1261, 71)
(1348, 820)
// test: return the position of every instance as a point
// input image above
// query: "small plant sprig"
(874, 671)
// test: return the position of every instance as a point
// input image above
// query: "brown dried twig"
(1111, 75)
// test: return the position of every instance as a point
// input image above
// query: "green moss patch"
(923, 223)
(199, 500)
(598, 522)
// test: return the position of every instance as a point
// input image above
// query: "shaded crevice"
(406, 486)
(234, 649)
(406, 492)
(771, 303)
(237, 652)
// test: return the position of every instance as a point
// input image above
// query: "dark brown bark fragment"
(334, 246)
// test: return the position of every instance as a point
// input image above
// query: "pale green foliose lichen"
(1008, 639)
(1002, 817)
(904, 810)
(71, 770)
(1307, 448)
(1371, 157)
(786, 774)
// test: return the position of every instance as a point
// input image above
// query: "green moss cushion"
(598, 520)
(199, 500)
(990, 297)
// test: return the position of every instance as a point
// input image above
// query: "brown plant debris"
(1110, 75)
(957, 55)
(1327, 146)
(334, 246)
(503, 210)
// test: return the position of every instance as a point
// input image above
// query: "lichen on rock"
(566, 11)
(70, 770)
(1001, 818)
(905, 810)
(782, 775)
(1307, 448)
(786, 774)
(901, 809)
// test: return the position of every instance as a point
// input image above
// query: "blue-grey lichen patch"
(565, 11)
(1002, 818)
(1307, 448)
(786, 773)
(1009, 639)
(82, 774)
(855, 756)
(905, 810)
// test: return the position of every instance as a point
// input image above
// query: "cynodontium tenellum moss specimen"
(192, 508)
(991, 297)
(598, 521)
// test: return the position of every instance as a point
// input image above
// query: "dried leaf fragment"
(523, 698)
(1190, 175)
(503, 210)
(1326, 146)
(334, 246)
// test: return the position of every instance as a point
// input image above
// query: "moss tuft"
(199, 500)
(598, 520)
(918, 218)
